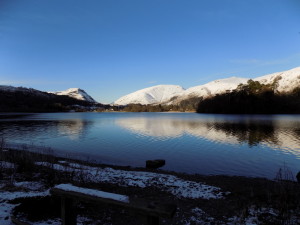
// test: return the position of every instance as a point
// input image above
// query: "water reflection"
(192, 143)
(73, 129)
(156, 127)
(29, 130)
(250, 131)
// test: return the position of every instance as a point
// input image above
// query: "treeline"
(253, 98)
(185, 105)
(37, 101)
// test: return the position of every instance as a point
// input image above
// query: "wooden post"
(152, 220)
(68, 215)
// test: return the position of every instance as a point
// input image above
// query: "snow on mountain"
(156, 94)
(172, 94)
(164, 93)
(76, 93)
(287, 80)
(212, 88)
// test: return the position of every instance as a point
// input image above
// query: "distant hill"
(20, 99)
(76, 93)
(151, 95)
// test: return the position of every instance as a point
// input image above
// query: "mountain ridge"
(285, 81)
(150, 95)
(76, 93)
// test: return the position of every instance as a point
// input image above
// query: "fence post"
(68, 214)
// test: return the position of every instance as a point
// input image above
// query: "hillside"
(76, 93)
(253, 98)
(20, 99)
(285, 82)
(151, 95)
(210, 89)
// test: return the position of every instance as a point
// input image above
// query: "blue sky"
(113, 47)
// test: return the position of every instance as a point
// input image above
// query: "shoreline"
(199, 198)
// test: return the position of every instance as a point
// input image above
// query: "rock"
(154, 164)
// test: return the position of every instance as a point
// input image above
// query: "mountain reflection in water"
(189, 142)
(253, 131)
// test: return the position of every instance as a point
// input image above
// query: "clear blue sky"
(113, 47)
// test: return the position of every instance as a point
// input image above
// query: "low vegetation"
(184, 106)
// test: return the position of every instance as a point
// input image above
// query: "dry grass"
(281, 194)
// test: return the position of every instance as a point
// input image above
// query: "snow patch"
(96, 193)
(7, 165)
(6, 207)
(169, 183)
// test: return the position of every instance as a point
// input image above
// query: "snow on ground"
(96, 193)
(30, 185)
(6, 165)
(7, 195)
(169, 183)
(52, 222)
(6, 207)
(198, 217)
(253, 216)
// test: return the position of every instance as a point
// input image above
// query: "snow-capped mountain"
(172, 94)
(76, 93)
(211, 88)
(286, 80)
(152, 95)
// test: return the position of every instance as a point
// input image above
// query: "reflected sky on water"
(194, 143)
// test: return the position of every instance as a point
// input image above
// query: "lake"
(256, 145)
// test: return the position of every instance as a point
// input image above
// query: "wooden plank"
(151, 208)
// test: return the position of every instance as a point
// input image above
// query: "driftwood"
(152, 210)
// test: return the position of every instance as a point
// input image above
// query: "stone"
(154, 164)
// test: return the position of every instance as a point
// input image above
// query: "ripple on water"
(192, 143)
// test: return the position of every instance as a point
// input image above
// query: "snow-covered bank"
(251, 200)
(6, 206)
(169, 183)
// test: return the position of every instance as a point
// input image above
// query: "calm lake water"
(189, 142)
